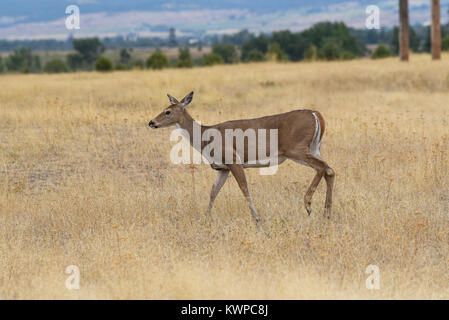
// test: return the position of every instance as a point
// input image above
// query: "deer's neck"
(193, 128)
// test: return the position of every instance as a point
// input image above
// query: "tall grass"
(85, 182)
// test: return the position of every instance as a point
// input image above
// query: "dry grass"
(84, 181)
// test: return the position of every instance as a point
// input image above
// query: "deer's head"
(172, 114)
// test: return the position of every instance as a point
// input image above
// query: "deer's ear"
(172, 99)
(187, 99)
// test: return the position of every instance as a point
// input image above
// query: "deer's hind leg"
(305, 157)
(322, 170)
(329, 175)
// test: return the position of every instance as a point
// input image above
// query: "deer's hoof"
(308, 206)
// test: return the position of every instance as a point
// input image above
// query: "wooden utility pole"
(403, 30)
(436, 30)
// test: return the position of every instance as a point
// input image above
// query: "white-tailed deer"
(299, 135)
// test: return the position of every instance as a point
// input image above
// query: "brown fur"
(296, 130)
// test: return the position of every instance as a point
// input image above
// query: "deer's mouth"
(152, 125)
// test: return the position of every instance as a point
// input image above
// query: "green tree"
(121, 66)
(103, 64)
(255, 56)
(138, 64)
(259, 43)
(75, 61)
(292, 44)
(331, 40)
(2, 67)
(55, 65)
(381, 52)
(184, 58)
(332, 35)
(89, 50)
(211, 59)
(346, 55)
(311, 53)
(275, 53)
(330, 50)
(445, 44)
(427, 43)
(125, 57)
(22, 60)
(36, 65)
(414, 41)
(227, 52)
(157, 60)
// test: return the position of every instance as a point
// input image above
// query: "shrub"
(275, 53)
(23, 60)
(227, 52)
(55, 65)
(311, 53)
(75, 61)
(330, 50)
(414, 41)
(157, 60)
(212, 59)
(445, 44)
(346, 55)
(259, 43)
(89, 49)
(381, 52)
(121, 66)
(125, 56)
(103, 64)
(138, 64)
(184, 58)
(255, 56)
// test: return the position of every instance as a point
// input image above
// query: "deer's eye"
(167, 112)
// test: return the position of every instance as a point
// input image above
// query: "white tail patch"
(316, 141)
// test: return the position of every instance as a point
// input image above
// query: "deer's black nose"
(151, 123)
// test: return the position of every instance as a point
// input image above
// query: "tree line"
(323, 41)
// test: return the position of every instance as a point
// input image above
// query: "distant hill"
(31, 19)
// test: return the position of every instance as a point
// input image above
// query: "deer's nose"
(151, 124)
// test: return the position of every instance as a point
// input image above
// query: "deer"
(299, 135)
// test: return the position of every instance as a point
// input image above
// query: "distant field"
(172, 53)
(136, 54)
(85, 182)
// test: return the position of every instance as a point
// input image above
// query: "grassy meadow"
(84, 181)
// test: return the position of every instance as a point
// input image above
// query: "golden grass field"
(84, 181)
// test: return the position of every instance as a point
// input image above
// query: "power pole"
(403, 30)
(436, 30)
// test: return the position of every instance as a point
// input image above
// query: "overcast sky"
(37, 19)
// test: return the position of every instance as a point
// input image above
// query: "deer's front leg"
(239, 175)
(220, 180)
